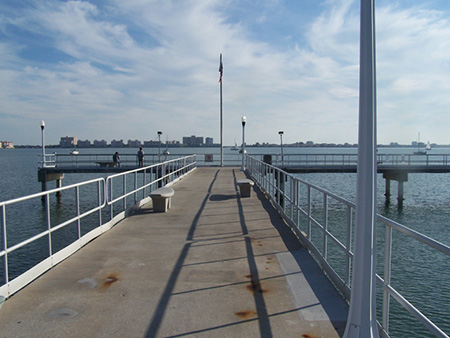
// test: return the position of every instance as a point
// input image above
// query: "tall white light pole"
(361, 322)
(43, 143)
(221, 106)
(159, 145)
(243, 120)
(281, 142)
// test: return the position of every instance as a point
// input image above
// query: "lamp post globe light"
(159, 145)
(43, 143)
(281, 142)
(243, 120)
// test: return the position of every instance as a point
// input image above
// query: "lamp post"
(159, 149)
(43, 143)
(243, 120)
(362, 321)
(281, 142)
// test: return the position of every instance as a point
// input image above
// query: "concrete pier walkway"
(214, 265)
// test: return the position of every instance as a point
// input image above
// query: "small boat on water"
(74, 152)
(428, 147)
(420, 152)
(235, 147)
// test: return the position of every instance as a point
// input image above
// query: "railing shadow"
(335, 307)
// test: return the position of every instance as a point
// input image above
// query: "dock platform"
(214, 265)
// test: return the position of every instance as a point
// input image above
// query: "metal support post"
(362, 321)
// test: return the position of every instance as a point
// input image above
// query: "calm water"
(418, 273)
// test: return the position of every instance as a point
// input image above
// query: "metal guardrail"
(89, 198)
(64, 161)
(235, 158)
(327, 232)
(394, 160)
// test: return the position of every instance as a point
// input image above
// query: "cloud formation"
(125, 69)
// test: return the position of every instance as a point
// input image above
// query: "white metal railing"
(234, 159)
(324, 223)
(324, 160)
(129, 161)
(83, 200)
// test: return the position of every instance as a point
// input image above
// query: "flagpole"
(362, 321)
(221, 119)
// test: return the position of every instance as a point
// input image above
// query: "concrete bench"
(107, 163)
(245, 187)
(162, 199)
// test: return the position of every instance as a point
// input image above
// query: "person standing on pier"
(140, 156)
(116, 159)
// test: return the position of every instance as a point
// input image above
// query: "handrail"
(343, 160)
(295, 206)
(98, 202)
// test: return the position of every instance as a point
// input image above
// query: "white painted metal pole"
(361, 321)
(221, 115)
(43, 143)
(243, 120)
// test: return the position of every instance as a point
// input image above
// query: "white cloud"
(130, 68)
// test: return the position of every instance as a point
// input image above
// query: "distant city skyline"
(130, 68)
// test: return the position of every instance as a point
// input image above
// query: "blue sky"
(126, 69)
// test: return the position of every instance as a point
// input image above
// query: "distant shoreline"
(257, 145)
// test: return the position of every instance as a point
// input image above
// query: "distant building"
(68, 142)
(134, 144)
(84, 144)
(209, 141)
(192, 141)
(6, 145)
(117, 144)
(152, 143)
(100, 144)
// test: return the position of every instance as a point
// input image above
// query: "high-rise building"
(68, 142)
(192, 141)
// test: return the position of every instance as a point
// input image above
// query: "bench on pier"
(110, 164)
(162, 199)
(245, 187)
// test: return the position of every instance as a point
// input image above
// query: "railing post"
(77, 209)
(124, 191)
(325, 226)
(47, 217)
(111, 207)
(135, 187)
(348, 245)
(99, 198)
(4, 246)
(309, 212)
(144, 181)
(387, 277)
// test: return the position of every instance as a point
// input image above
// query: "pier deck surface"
(214, 265)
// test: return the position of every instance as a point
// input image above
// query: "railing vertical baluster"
(348, 245)
(47, 217)
(4, 246)
(135, 187)
(124, 191)
(77, 210)
(99, 199)
(111, 207)
(325, 226)
(309, 211)
(387, 277)
(292, 202)
(144, 180)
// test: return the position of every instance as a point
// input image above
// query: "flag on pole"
(220, 69)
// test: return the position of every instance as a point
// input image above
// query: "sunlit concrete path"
(214, 265)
